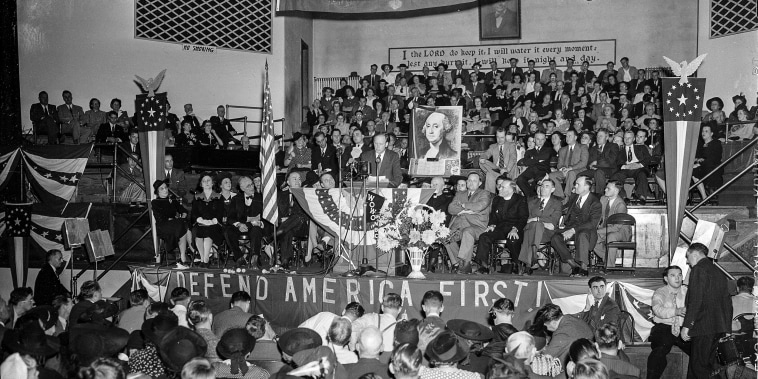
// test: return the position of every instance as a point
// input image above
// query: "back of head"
(509, 367)
(392, 301)
(158, 308)
(520, 345)
(590, 369)
(340, 331)
(406, 360)
(179, 294)
(256, 326)
(241, 297)
(198, 368)
(5, 312)
(89, 290)
(19, 294)
(370, 342)
(138, 297)
(582, 349)
(433, 299)
(745, 284)
(354, 310)
(607, 337)
(103, 368)
(551, 312)
(198, 312)
(406, 331)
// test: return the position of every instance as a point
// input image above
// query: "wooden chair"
(498, 247)
(622, 246)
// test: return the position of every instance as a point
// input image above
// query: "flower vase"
(416, 258)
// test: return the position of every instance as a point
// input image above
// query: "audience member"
(70, 120)
(602, 160)
(391, 306)
(322, 321)
(198, 368)
(572, 160)
(444, 353)
(180, 299)
(609, 344)
(475, 336)
(233, 347)
(47, 284)
(405, 362)
(565, 328)
(503, 155)
(744, 301)
(536, 163)
(131, 319)
(234, 317)
(432, 305)
(521, 345)
(338, 340)
(668, 306)
(89, 294)
(44, 118)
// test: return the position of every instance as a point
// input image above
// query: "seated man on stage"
(537, 163)
(636, 159)
(293, 221)
(127, 190)
(353, 152)
(544, 215)
(244, 218)
(612, 204)
(602, 160)
(572, 159)
(599, 308)
(583, 215)
(318, 238)
(441, 199)
(470, 210)
(387, 161)
(223, 127)
(507, 219)
(503, 155)
(324, 156)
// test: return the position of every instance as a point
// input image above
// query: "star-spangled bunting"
(151, 112)
(683, 102)
(18, 219)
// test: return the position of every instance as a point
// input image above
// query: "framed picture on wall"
(499, 19)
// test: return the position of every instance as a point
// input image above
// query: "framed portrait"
(436, 141)
(499, 19)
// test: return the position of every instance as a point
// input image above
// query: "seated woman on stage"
(170, 221)
(208, 214)
(708, 157)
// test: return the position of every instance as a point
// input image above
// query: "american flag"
(268, 166)
(151, 122)
(682, 107)
(18, 219)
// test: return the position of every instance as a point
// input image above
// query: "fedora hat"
(93, 341)
(298, 339)
(447, 348)
(470, 330)
(46, 315)
(154, 329)
(401, 65)
(31, 340)
(716, 99)
(387, 64)
(179, 346)
(99, 311)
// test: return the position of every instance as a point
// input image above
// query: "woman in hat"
(740, 102)
(171, 221)
(147, 360)
(32, 343)
(444, 353)
(207, 214)
(298, 156)
(233, 348)
(387, 74)
(443, 76)
(716, 107)
(178, 347)
(476, 336)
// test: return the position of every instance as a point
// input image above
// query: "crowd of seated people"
(46, 333)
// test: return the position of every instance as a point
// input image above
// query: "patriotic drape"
(268, 168)
(342, 207)
(682, 107)
(151, 123)
(8, 162)
(54, 172)
(17, 221)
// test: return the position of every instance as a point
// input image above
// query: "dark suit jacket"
(347, 154)
(224, 129)
(490, 76)
(709, 306)
(603, 77)
(508, 73)
(327, 161)
(377, 78)
(536, 74)
(586, 218)
(552, 212)
(178, 181)
(365, 366)
(285, 210)
(48, 286)
(465, 75)
(538, 158)
(606, 313)
(127, 145)
(608, 158)
(239, 212)
(441, 203)
(104, 132)
(389, 167)
(642, 153)
(570, 329)
(507, 214)
(41, 121)
(586, 77)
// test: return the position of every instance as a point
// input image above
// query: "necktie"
(579, 202)
(542, 205)
(600, 148)
(469, 195)
(168, 176)
(571, 154)
(378, 164)
(70, 110)
(597, 303)
(44, 109)
(607, 213)
(629, 155)
(501, 161)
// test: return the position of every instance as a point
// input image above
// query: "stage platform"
(288, 299)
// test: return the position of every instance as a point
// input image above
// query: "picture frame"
(499, 19)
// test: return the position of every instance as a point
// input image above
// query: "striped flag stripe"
(268, 169)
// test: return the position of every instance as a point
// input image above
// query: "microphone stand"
(376, 234)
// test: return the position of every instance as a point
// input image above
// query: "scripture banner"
(288, 300)
(596, 52)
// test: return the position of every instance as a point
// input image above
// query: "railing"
(334, 83)
(245, 120)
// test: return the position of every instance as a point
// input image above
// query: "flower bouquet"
(413, 227)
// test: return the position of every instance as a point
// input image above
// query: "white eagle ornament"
(151, 85)
(684, 69)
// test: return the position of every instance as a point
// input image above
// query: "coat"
(508, 214)
(586, 218)
(389, 167)
(480, 203)
(607, 312)
(709, 306)
(579, 157)
(509, 153)
(570, 329)
(47, 286)
(618, 206)
(328, 160)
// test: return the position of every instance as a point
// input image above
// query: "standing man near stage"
(709, 311)
(387, 161)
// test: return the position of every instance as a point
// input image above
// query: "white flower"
(417, 217)
(414, 236)
(442, 232)
(429, 237)
(437, 218)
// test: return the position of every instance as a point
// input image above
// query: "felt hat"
(99, 311)
(296, 136)
(298, 339)
(234, 345)
(154, 329)
(387, 64)
(470, 330)
(32, 341)
(447, 348)
(716, 99)
(223, 175)
(402, 65)
(739, 97)
(93, 341)
(157, 184)
(179, 346)
(443, 65)
(46, 315)
(476, 64)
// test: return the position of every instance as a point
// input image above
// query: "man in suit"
(131, 145)
(474, 88)
(552, 69)
(44, 117)
(223, 127)
(460, 72)
(544, 216)
(403, 73)
(324, 156)
(490, 76)
(244, 218)
(569, 70)
(582, 218)
(373, 78)
(531, 70)
(441, 199)
(478, 76)
(626, 73)
(600, 308)
(566, 329)
(537, 163)
(655, 82)
(636, 159)
(69, 118)
(415, 99)
(293, 221)
(353, 153)
(47, 284)
(608, 72)
(110, 132)
(500, 20)
(709, 311)
(175, 178)
(20, 302)
(503, 161)
(396, 112)
(572, 159)
(585, 74)
(612, 204)
(510, 72)
(507, 219)
(388, 161)
(234, 317)
(470, 210)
